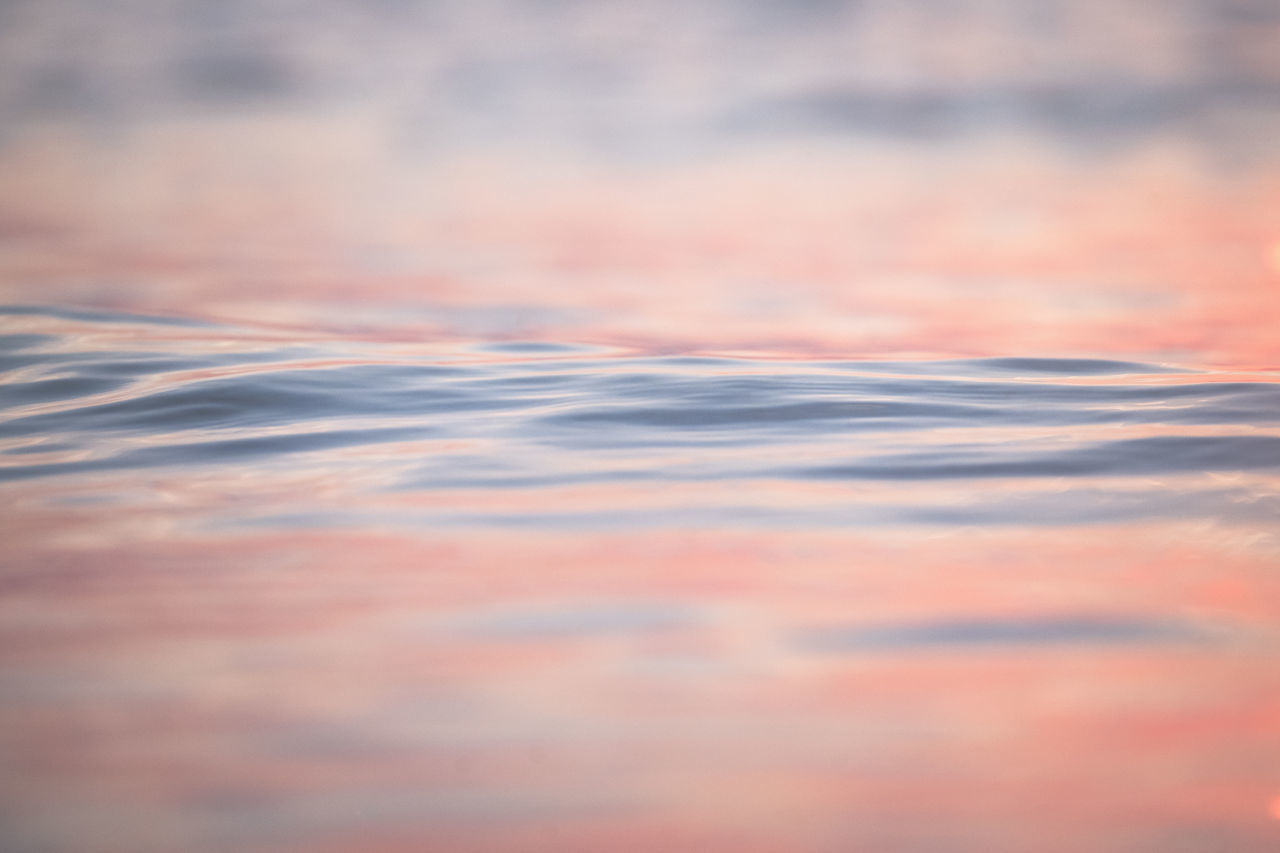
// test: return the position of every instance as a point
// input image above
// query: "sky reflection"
(752, 426)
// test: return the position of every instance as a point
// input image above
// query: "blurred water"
(660, 79)
(282, 591)
(536, 425)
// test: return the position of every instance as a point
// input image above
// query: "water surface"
(537, 426)
(279, 591)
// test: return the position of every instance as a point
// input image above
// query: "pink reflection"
(307, 673)
(833, 253)
(500, 637)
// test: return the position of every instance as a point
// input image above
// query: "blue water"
(1125, 439)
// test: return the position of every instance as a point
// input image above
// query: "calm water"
(268, 590)
(539, 426)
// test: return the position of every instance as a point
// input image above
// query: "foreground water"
(274, 591)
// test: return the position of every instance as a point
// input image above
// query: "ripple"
(530, 417)
(224, 451)
(1069, 366)
(1055, 631)
(1154, 455)
(97, 316)
(18, 342)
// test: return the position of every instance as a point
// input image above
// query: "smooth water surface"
(546, 426)
(279, 591)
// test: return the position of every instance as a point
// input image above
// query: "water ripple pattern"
(1016, 440)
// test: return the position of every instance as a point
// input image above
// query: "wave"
(522, 416)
